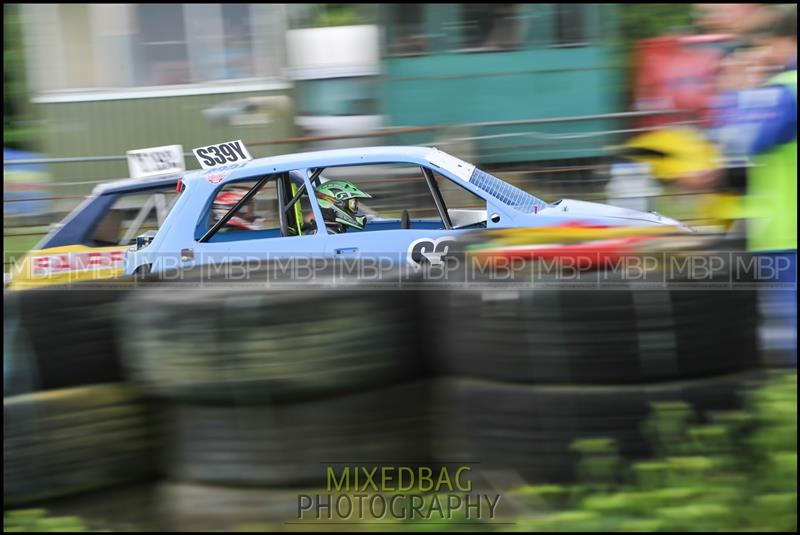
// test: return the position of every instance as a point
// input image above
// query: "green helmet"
(339, 202)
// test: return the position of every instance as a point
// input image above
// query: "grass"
(15, 247)
(27, 520)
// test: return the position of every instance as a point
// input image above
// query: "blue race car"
(240, 209)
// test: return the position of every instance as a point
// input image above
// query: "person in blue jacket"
(757, 122)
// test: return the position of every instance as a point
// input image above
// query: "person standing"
(760, 123)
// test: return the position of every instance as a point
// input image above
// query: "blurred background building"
(93, 68)
(103, 79)
(110, 78)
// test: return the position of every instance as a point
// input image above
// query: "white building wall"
(112, 31)
(333, 52)
(41, 32)
(63, 59)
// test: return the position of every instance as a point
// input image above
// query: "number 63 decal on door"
(429, 250)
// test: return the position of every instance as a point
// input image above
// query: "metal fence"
(458, 139)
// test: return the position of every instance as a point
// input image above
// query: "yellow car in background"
(90, 243)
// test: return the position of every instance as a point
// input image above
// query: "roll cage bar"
(437, 197)
(229, 214)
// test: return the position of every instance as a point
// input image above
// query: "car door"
(404, 246)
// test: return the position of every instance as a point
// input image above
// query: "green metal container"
(463, 63)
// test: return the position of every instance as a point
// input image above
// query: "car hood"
(572, 207)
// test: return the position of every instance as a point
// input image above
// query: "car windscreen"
(504, 192)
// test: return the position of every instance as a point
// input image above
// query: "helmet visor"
(352, 205)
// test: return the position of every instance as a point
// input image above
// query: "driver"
(244, 218)
(338, 200)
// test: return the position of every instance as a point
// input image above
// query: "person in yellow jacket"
(689, 167)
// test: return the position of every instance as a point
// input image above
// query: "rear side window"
(260, 212)
(257, 217)
(131, 215)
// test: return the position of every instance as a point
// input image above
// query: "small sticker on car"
(215, 175)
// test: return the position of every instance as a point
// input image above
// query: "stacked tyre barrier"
(525, 373)
(267, 389)
(263, 387)
(69, 423)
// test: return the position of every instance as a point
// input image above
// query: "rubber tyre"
(253, 347)
(529, 429)
(293, 444)
(63, 337)
(68, 441)
(595, 336)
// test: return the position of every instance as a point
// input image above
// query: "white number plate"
(222, 154)
(156, 161)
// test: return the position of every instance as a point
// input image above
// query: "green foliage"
(339, 15)
(738, 472)
(19, 128)
(15, 247)
(37, 520)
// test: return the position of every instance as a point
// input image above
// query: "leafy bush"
(339, 15)
(738, 472)
(20, 130)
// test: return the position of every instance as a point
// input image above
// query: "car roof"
(263, 165)
(332, 157)
(134, 184)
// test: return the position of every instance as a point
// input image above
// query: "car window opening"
(230, 213)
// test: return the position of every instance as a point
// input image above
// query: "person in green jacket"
(760, 123)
